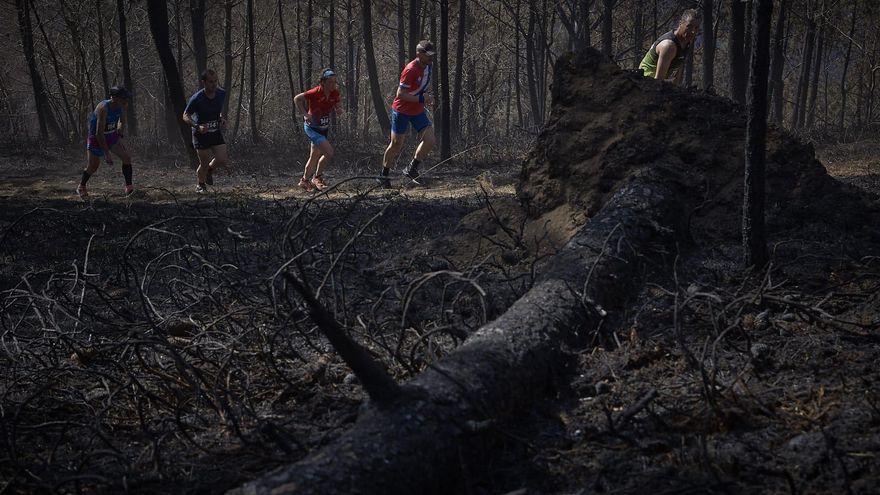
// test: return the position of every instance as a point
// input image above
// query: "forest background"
(492, 72)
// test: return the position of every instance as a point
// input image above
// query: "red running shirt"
(320, 105)
(414, 80)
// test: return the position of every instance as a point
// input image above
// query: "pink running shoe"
(305, 185)
(318, 182)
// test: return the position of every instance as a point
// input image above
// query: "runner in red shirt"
(321, 100)
(409, 107)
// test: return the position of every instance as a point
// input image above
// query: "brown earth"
(148, 345)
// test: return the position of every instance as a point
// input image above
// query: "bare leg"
(312, 163)
(427, 143)
(326, 155)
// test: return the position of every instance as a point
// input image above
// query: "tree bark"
(754, 237)
(310, 43)
(75, 130)
(445, 144)
(132, 120)
(200, 46)
(638, 31)
(289, 68)
(814, 83)
(738, 60)
(102, 55)
(252, 63)
(414, 35)
(777, 66)
(351, 93)
(459, 69)
(46, 119)
(372, 72)
(607, 28)
(401, 36)
(227, 53)
(158, 15)
(800, 104)
(841, 123)
(708, 45)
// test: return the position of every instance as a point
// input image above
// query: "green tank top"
(649, 62)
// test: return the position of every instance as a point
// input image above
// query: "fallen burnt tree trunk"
(412, 444)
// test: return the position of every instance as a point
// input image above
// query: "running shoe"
(201, 189)
(411, 171)
(384, 181)
(82, 191)
(305, 184)
(318, 182)
(210, 179)
(129, 190)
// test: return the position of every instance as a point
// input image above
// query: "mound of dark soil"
(609, 125)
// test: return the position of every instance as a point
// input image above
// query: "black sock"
(414, 163)
(85, 178)
(385, 171)
(126, 172)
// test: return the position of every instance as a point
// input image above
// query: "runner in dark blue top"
(204, 113)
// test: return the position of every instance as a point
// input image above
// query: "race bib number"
(110, 127)
(325, 121)
(212, 125)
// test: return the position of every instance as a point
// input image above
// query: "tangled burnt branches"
(157, 344)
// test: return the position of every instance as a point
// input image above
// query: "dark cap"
(426, 47)
(328, 72)
(120, 92)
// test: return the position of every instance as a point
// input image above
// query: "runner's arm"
(300, 100)
(425, 98)
(189, 121)
(666, 51)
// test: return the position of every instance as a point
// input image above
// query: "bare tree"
(126, 67)
(738, 61)
(777, 65)
(708, 45)
(372, 72)
(459, 69)
(200, 45)
(287, 60)
(45, 117)
(102, 56)
(607, 28)
(252, 95)
(445, 145)
(754, 237)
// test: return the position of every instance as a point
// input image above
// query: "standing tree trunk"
(287, 59)
(351, 94)
(75, 127)
(607, 28)
(738, 62)
(800, 103)
(814, 83)
(102, 56)
(445, 145)
(754, 237)
(459, 70)
(332, 34)
(638, 31)
(252, 95)
(401, 37)
(414, 35)
(777, 66)
(45, 117)
(126, 68)
(310, 47)
(584, 31)
(227, 53)
(158, 14)
(200, 46)
(841, 123)
(517, 69)
(372, 72)
(708, 45)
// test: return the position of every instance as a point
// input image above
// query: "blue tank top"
(111, 123)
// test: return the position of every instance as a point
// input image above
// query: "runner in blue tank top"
(204, 113)
(106, 124)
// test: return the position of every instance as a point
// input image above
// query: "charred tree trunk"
(252, 63)
(445, 133)
(102, 56)
(74, 130)
(401, 36)
(585, 39)
(777, 65)
(310, 43)
(372, 71)
(351, 94)
(414, 35)
(287, 60)
(200, 46)
(841, 122)
(814, 82)
(156, 10)
(45, 117)
(412, 445)
(126, 68)
(754, 237)
(738, 60)
(708, 45)
(227, 53)
(638, 31)
(459, 70)
(607, 28)
(800, 103)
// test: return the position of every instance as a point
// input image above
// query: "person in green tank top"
(665, 59)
